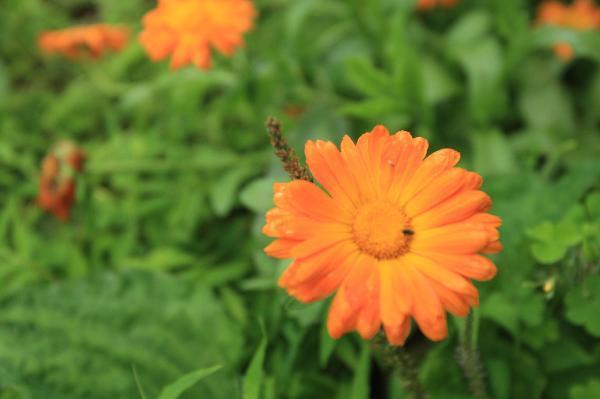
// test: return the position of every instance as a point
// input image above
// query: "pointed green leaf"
(174, 390)
(255, 374)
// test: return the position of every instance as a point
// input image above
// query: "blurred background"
(159, 269)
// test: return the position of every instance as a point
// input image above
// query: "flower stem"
(285, 153)
(469, 360)
(403, 364)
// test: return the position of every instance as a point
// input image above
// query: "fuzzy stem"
(469, 360)
(403, 364)
(285, 153)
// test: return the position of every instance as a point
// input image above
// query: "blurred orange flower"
(187, 29)
(429, 4)
(564, 51)
(57, 179)
(580, 15)
(394, 234)
(83, 41)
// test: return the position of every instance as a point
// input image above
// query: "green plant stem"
(403, 364)
(469, 360)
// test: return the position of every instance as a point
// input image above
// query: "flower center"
(382, 230)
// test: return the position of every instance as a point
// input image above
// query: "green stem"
(403, 364)
(469, 360)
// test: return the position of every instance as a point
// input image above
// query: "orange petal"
(408, 161)
(440, 189)
(397, 334)
(342, 317)
(307, 199)
(316, 243)
(493, 248)
(476, 267)
(359, 169)
(457, 208)
(442, 275)
(329, 169)
(432, 166)
(451, 300)
(312, 269)
(427, 308)
(281, 248)
(460, 238)
(394, 297)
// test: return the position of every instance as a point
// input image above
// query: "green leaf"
(548, 252)
(174, 390)
(254, 374)
(360, 383)
(592, 203)
(138, 383)
(258, 195)
(469, 29)
(367, 79)
(583, 305)
(438, 84)
(498, 308)
(161, 259)
(564, 355)
(499, 377)
(587, 391)
(493, 153)
(379, 106)
(326, 346)
(223, 193)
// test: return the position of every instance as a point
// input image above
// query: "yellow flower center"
(382, 230)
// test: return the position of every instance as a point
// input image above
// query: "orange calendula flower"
(84, 41)
(57, 180)
(187, 29)
(394, 234)
(424, 5)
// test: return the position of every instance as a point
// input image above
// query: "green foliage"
(81, 339)
(161, 269)
(583, 305)
(174, 390)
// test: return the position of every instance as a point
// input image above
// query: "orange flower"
(82, 41)
(395, 234)
(564, 51)
(580, 15)
(424, 5)
(188, 29)
(57, 180)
